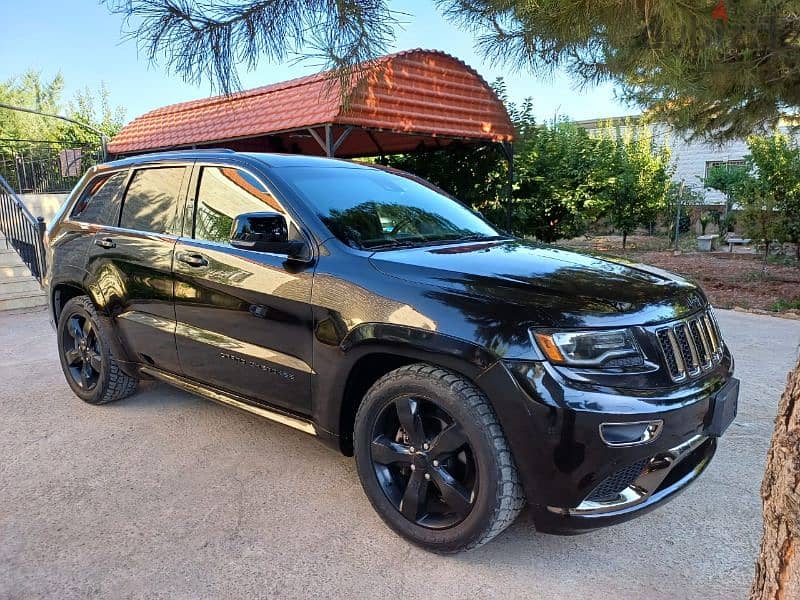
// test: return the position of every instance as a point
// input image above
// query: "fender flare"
(333, 408)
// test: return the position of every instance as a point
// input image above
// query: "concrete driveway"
(166, 495)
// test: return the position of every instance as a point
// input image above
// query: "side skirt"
(223, 398)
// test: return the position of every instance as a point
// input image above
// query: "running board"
(221, 398)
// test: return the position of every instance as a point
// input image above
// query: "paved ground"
(168, 495)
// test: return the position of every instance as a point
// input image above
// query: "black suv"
(468, 371)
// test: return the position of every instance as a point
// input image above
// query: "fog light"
(630, 434)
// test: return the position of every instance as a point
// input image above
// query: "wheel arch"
(64, 290)
(373, 350)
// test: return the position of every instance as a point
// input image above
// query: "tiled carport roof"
(402, 100)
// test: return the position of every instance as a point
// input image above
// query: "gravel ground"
(166, 495)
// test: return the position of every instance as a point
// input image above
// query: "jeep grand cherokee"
(467, 370)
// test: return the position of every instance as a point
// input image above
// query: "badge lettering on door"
(251, 363)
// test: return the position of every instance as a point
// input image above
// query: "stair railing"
(23, 232)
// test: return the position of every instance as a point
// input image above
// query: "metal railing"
(23, 232)
(44, 167)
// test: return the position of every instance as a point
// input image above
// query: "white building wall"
(688, 158)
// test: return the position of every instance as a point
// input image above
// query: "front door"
(243, 317)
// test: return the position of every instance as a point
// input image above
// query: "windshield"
(372, 209)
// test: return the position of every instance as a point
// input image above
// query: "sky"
(83, 42)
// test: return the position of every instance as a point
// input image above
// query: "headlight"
(600, 348)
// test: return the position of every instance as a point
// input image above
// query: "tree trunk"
(778, 567)
(624, 239)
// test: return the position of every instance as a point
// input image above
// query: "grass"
(783, 304)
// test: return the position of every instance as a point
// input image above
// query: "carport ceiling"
(400, 103)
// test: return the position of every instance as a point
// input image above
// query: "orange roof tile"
(422, 92)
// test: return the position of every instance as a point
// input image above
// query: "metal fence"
(44, 167)
(23, 232)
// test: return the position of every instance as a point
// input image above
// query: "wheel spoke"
(453, 493)
(413, 502)
(95, 361)
(72, 356)
(387, 452)
(74, 329)
(87, 329)
(448, 441)
(409, 418)
(85, 377)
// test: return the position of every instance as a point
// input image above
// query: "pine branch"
(205, 40)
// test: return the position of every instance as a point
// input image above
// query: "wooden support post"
(508, 150)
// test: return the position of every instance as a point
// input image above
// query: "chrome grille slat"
(700, 343)
(676, 352)
(691, 345)
(690, 350)
(712, 334)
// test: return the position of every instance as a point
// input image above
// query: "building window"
(738, 163)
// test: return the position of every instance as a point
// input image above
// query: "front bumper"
(553, 427)
(664, 476)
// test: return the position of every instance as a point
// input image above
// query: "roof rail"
(191, 150)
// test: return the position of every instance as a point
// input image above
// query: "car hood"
(544, 285)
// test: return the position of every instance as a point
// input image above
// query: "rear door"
(243, 317)
(131, 263)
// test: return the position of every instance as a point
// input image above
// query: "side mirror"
(265, 232)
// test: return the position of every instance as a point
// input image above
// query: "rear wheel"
(88, 363)
(434, 461)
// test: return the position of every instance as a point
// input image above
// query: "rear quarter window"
(99, 203)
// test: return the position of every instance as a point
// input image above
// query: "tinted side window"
(222, 194)
(152, 199)
(99, 203)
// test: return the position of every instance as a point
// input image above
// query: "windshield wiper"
(393, 244)
(476, 237)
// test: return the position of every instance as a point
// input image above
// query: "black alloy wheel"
(81, 348)
(424, 463)
(88, 363)
(433, 459)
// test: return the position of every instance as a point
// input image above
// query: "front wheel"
(434, 461)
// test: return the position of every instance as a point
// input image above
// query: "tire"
(425, 404)
(86, 359)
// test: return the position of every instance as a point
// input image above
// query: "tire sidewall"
(479, 520)
(77, 306)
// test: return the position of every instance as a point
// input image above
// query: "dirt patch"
(729, 280)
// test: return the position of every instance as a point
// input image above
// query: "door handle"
(105, 243)
(192, 259)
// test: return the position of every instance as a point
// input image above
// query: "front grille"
(612, 485)
(690, 346)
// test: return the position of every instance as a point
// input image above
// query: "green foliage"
(475, 175)
(727, 179)
(31, 91)
(767, 188)
(687, 196)
(564, 178)
(640, 177)
(783, 304)
(559, 184)
(93, 109)
(776, 161)
(713, 78)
